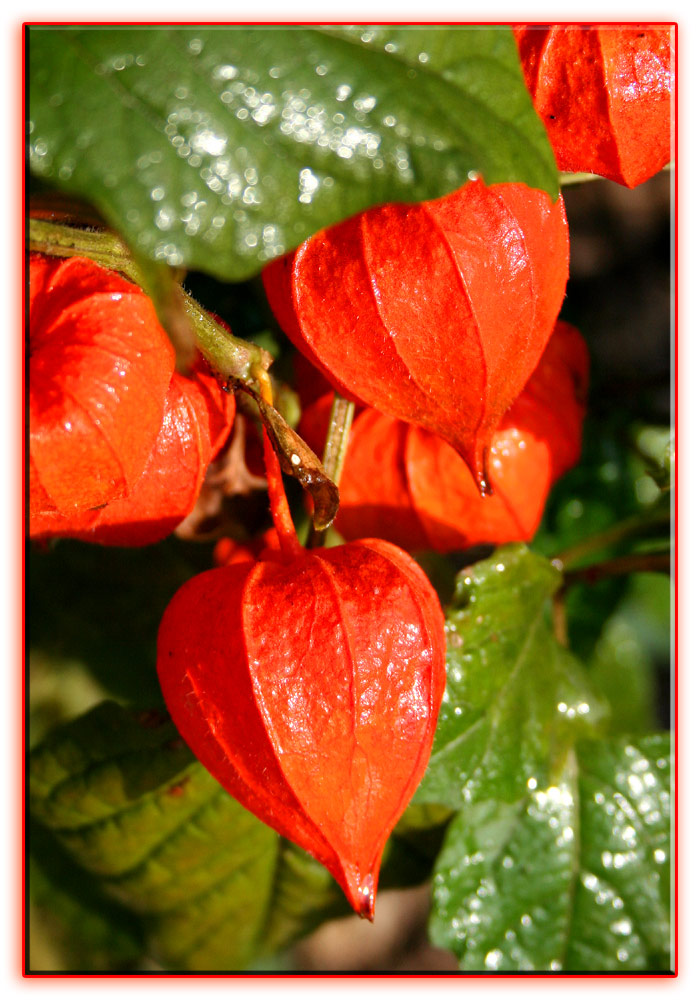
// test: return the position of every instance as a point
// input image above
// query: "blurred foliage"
(102, 607)
(87, 930)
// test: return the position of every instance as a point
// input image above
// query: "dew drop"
(623, 926)
(493, 958)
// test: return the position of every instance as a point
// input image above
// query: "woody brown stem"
(279, 507)
(636, 562)
(636, 525)
(559, 623)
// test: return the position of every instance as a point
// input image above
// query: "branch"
(639, 524)
(637, 562)
(229, 356)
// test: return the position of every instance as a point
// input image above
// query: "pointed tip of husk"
(361, 892)
(476, 457)
(484, 481)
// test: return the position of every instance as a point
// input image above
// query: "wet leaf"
(574, 876)
(217, 149)
(511, 689)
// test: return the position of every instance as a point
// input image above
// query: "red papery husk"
(100, 366)
(309, 686)
(404, 484)
(197, 419)
(604, 94)
(434, 313)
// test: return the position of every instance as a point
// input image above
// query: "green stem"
(227, 355)
(636, 525)
(568, 179)
(102, 246)
(337, 437)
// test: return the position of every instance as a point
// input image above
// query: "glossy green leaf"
(626, 809)
(574, 876)
(511, 688)
(217, 149)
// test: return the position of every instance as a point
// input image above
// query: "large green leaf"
(574, 876)
(73, 924)
(126, 798)
(146, 826)
(220, 148)
(511, 688)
